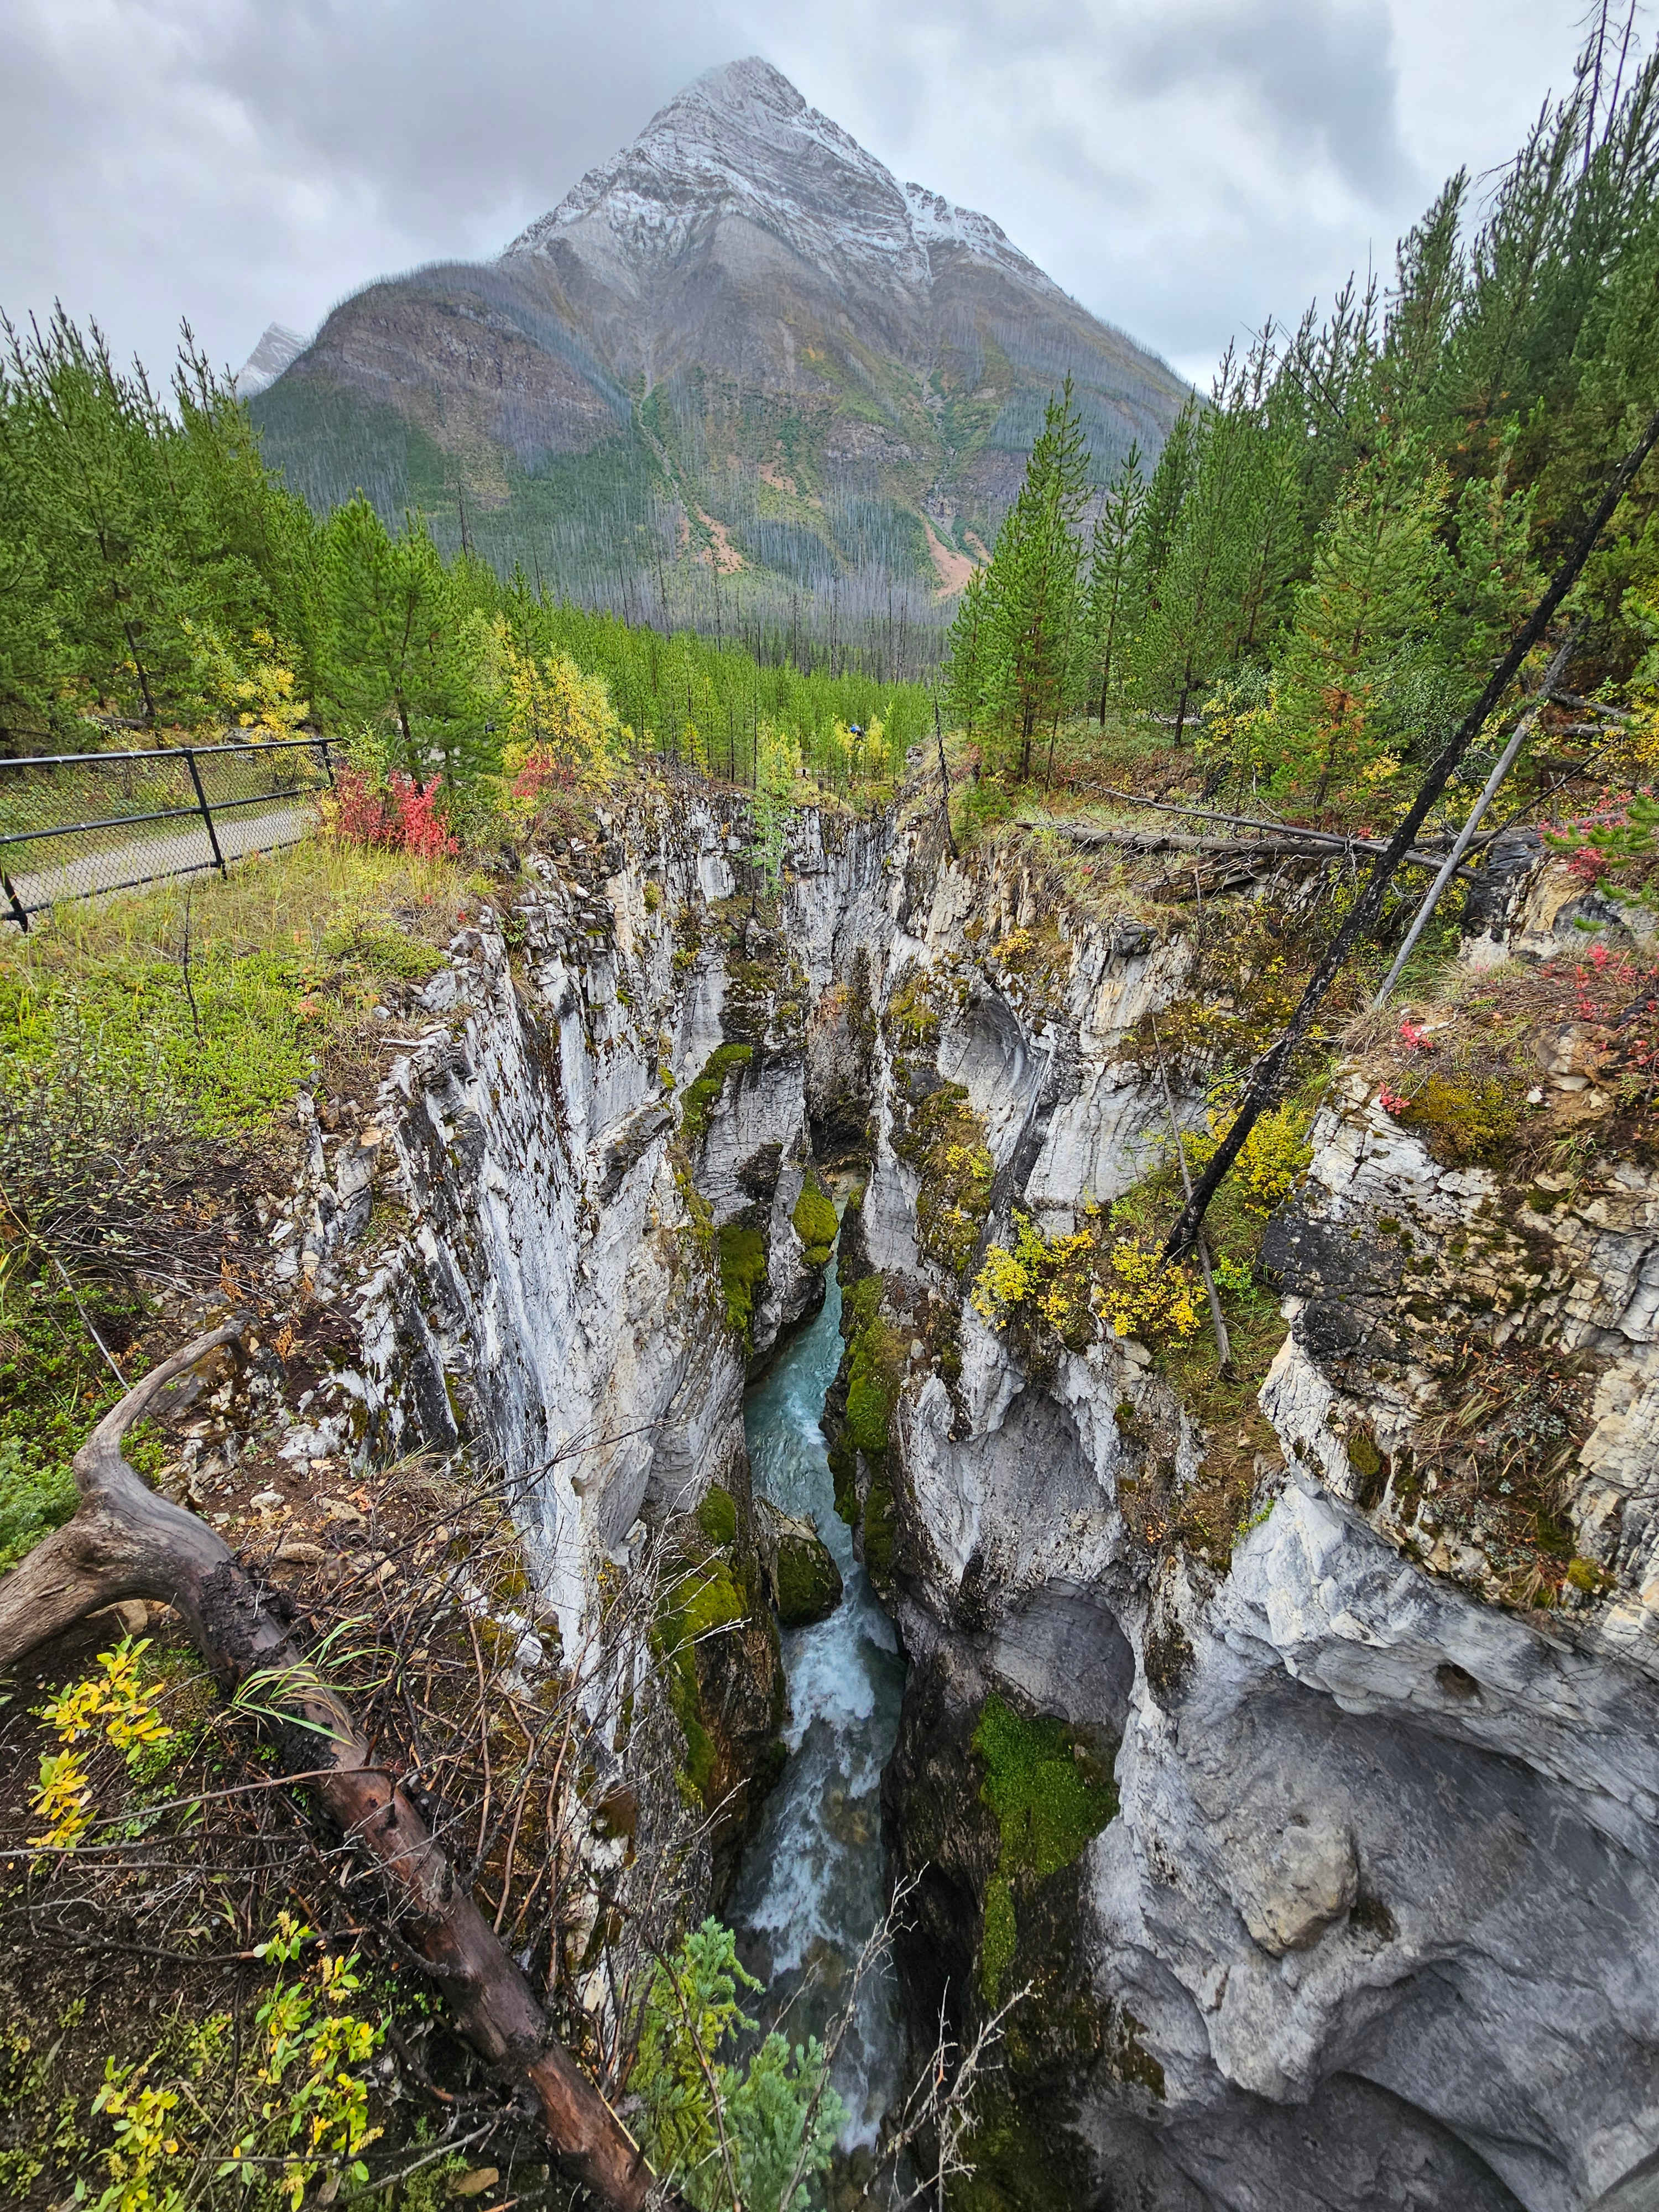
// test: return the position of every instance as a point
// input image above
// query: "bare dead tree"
(1272, 1071)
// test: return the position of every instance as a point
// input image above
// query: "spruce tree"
(1033, 585)
(1109, 607)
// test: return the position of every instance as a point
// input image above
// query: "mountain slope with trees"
(740, 371)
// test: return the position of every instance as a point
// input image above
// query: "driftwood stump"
(126, 1542)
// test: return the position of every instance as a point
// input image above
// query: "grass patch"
(287, 960)
(1049, 1799)
(54, 1386)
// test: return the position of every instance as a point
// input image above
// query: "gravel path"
(119, 867)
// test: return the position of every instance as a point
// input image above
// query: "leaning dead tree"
(124, 1542)
(1268, 1077)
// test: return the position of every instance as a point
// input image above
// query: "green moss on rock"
(717, 1516)
(1049, 1800)
(1464, 1121)
(697, 1603)
(742, 1273)
(876, 1356)
(944, 1140)
(815, 1223)
(809, 1584)
(698, 1102)
(879, 1524)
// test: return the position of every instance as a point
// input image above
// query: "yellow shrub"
(1272, 1158)
(118, 1703)
(1145, 1297)
(560, 724)
(1076, 1285)
(1002, 1285)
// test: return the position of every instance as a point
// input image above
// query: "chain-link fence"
(77, 824)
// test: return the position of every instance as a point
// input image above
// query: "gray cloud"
(1184, 167)
(1318, 78)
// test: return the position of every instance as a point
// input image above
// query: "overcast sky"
(1184, 167)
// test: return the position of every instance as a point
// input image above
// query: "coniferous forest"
(158, 576)
(1312, 582)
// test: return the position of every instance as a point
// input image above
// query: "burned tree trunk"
(124, 1542)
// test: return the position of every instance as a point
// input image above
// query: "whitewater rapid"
(810, 1889)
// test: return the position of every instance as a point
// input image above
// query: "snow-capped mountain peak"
(739, 145)
(276, 350)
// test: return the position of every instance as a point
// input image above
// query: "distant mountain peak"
(740, 343)
(739, 142)
(277, 347)
(740, 83)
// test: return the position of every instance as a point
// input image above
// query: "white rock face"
(1380, 1900)
(555, 1301)
(739, 149)
(1377, 1920)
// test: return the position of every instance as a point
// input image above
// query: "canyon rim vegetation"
(810, 860)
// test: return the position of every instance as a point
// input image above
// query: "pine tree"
(1376, 580)
(398, 644)
(1107, 601)
(1423, 306)
(1033, 585)
(969, 654)
(1225, 547)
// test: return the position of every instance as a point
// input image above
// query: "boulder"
(804, 1580)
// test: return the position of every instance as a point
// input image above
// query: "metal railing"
(79, 825)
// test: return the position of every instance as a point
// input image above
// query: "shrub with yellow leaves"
(254, 689)
(1271, 1159)
(1075, 1288)
(1144, 1296)
(560, 727)
(119, 1704)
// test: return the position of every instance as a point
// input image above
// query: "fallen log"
(126, 1541)
(1292, 845)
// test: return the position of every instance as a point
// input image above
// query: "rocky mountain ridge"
(278, 348)
(740, 143)
(737, 349)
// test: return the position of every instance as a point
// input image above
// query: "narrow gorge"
(1328, 1867)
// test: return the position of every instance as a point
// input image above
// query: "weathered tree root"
(124, 1542)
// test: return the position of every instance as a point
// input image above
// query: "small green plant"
(315, 2108)
(299, 2114)
(1049, 1800)
(725, 2136)
(277, 1694)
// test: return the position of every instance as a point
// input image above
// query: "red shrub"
(401, 815)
